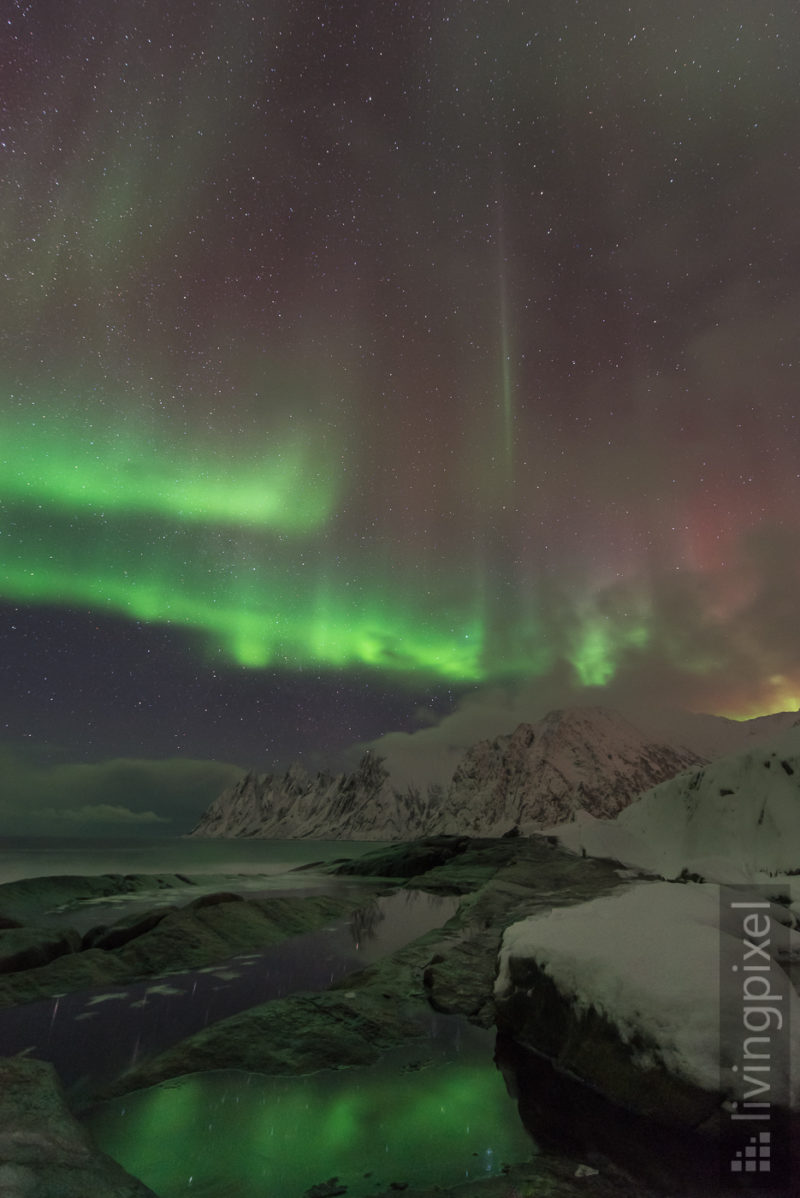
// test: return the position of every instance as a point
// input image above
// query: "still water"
(435, 1115)
(143, 1018)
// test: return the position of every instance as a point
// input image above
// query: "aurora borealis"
(359, 361)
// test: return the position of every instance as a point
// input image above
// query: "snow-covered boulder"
(624, 992)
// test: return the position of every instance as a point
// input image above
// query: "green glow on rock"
(285, 485)
(249, 1135)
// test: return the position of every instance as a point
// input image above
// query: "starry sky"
(364, 365)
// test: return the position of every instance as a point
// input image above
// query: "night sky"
(366, 367)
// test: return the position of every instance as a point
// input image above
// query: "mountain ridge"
(573, 760)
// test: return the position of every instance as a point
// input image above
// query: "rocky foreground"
(44, 1151)
(43, 961)
(451, 969)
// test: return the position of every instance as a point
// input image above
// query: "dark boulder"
(405, 860)
(44, 1151)
(123, 930)
(216, 899)
(28, 948)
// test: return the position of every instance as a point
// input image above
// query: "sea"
(46, 856)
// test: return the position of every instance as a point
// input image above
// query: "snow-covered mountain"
(299, 805)
(580, 758)
(735, 820)
(577, 759)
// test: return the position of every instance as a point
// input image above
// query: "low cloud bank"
(126, 795)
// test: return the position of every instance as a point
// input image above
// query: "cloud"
(134, 795)
(724, 641)
(431, 754)
(104, 813)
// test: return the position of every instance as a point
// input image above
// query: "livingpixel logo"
(754, 1029)
(756, 1157)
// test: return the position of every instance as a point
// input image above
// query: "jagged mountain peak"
(574, 759)
(591, 725)
(360, 805)
(583, 716)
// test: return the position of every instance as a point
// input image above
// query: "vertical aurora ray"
(508, 395)
(506, 382)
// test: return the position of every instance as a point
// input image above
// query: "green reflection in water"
(221, 1135)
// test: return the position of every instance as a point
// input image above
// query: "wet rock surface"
(296, 1035)
(405, 860)
(543, 1177)
(203, 932)
(28, 948)
(44, 1151)
(28, 899)
(451, 969)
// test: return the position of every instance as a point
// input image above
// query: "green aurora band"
(242, 555)
(287, 487)
(259, 606)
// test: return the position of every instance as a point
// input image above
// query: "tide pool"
(437, 1114)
